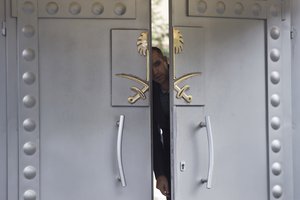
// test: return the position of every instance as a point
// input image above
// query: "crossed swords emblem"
(142, 49)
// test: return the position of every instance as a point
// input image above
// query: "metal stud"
(202, 6)
(275, 33)
(28, 78)
(28, 31)
(120, 9)
(29, 195)
(238, 8)
(28, 54)
(52, 8)
(276, 146)
(276, 168)
(256, 9)
(220, 7)
(275, 77)
(97, 8)
(74, 8)
(275, 55)
(29, 101)
(275, 123)
(28, 7)
(29, 172)
(277, 191)
(29, 125)
(29, 148)
(275, 100)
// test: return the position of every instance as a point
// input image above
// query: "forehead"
(156, 55)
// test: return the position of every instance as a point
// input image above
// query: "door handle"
(207, 124)
(120, 124)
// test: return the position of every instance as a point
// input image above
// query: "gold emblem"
(178, 41)
(139, 93)
(181, 91)
(142, 43)
(142, 48)
(178, 48)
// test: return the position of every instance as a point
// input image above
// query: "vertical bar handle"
(207, 124)
(120, 124)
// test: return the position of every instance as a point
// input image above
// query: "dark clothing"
(161, 120)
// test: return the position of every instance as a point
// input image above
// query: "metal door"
(230, 114)
(83, 134)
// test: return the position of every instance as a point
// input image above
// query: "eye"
(156, 63)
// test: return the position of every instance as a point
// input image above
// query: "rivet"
(275, 77)
(256, 9)
(28, 78)
(74, 8)
(275, 33)
(277, 191)
(120, 9)
(28, 31)
(275, 100)
(276, 146)
(29, 195)
(29, 125)
(274, 10)
(275, 55)
(28, 7)
(202, 6)
(238, 8)
(276, 168)
(220, 7)
(275, 123)
(97, 8)
(28, 54)
(29, 172)
(52, 8)
(29, 148)
(29, 101)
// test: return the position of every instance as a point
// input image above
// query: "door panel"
(234, 96)
(235, 101)
(68, 123)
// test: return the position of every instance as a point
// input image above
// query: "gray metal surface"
(3, 130)
(296, 97)
(276, 128)
(232, 78)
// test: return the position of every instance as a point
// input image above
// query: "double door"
(84, 100)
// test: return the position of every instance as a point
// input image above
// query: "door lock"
(182, 166)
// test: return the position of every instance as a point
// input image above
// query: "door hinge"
(3, 28)
(293, 32)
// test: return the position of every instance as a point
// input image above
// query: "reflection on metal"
(139, 93)
(178, 41)
(142, 44)
(181, 90)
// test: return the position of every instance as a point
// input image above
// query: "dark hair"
(158, 51)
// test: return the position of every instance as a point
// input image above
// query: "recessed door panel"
(189, 65)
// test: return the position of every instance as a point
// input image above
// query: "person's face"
(160, 71)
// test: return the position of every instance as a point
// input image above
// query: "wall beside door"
(296, 97)
(2, 110)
